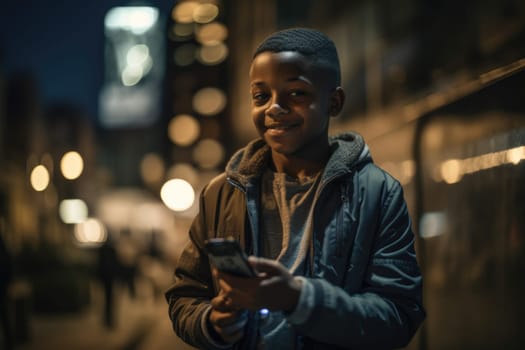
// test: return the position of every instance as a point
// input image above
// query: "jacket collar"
(348, 150)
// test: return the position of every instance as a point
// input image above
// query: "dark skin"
(292, 101)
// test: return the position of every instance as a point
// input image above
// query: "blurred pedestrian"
(127, 254)
(107, 272)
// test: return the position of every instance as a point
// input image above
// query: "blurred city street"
(140, 323)
(115, 115)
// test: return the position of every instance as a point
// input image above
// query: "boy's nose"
(275, 110)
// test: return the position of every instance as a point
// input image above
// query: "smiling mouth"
(280, 126)
(279, 130)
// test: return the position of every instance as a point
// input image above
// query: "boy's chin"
(280, 149)
(284, 150)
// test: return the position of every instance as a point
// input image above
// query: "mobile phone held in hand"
(227, 256)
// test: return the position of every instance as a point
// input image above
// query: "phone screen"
(226, 255)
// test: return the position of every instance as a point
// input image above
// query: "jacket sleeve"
(189, 297)
(385, 312)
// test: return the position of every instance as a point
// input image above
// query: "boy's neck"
(300, 167)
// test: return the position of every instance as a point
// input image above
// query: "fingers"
(266, 266)
(232, 286)
(236, 298)
(255, 292)
(221, 303)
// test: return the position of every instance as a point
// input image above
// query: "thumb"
(265, 266)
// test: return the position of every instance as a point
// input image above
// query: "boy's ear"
(337, 100)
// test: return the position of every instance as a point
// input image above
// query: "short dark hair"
(315, 45)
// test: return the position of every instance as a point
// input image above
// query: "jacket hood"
(347, 150)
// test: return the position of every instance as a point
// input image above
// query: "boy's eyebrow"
(289, 80)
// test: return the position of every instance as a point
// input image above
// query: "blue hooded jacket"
(365, 287)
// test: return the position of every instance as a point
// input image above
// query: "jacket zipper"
(339, 219)
(236, 184)
(340, 223)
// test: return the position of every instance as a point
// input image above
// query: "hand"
(274, 288)
(228, 322)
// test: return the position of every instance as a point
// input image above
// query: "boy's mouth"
(279, 129)
(281, 126)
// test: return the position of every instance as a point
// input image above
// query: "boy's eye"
(297, 93)
(259, 97)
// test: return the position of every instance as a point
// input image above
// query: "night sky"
(61, 43)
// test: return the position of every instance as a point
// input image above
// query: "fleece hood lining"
(248, 163)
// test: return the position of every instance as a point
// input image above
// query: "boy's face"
(291, 103)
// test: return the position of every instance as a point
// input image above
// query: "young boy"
(328, 231)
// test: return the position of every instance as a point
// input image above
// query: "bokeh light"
(90, 232)
(137, 19)
(205, 13)
(208, 153)
(451, 171)
(209, 101)
(516, 155)
(152, 168)
(177, 194)
(182, 30)
(139, 63)
(131, 75)
(138, 55)
(183, 12)
(212, 33)
(71, 165)
(73, 211)
(183, 130)
(39, 178)
(212, 54)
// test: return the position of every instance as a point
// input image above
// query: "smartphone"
(226, 255)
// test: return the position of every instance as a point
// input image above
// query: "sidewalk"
(141, 323)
